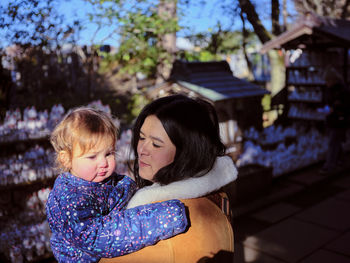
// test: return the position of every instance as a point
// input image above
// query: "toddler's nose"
(103, 162)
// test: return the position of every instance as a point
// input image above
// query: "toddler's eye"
(91, 157)
(111, 153)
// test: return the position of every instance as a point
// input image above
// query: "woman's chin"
(146, 176)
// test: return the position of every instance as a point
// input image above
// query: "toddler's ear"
(64, 158)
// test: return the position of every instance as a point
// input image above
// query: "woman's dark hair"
(192, 126)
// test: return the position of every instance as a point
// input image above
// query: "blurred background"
(260, 63)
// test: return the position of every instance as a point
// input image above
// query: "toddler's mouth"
(102, 173)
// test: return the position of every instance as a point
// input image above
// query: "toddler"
(86, 208)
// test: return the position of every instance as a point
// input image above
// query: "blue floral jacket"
(88, 220)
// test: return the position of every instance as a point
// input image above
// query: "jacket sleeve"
(123, 232)
(122, 192)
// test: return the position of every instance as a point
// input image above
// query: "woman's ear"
(64, 159)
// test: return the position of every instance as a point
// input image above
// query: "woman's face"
(154, 148)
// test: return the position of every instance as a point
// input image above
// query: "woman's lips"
(142, 164)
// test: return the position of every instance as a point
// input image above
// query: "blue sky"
(199, 18)
(196, 17)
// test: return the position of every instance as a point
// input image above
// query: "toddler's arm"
(123, 189)
(123, 232)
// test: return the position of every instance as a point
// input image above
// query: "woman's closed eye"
(143, 138)
(156, 145)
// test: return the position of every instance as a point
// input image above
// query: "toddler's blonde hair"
(84, 127)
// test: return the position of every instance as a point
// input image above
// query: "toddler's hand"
(176, 218)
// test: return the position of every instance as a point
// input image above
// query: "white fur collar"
(222, 173)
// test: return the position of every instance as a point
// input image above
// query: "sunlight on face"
(95, 165)
(155, 149)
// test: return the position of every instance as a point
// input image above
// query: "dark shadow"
(222, 256)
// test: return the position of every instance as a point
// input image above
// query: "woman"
(179, 154)
(337, 97)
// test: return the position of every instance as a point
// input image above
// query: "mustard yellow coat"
(208, 239)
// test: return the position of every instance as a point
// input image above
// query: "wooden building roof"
(213, 80)
(313, 31)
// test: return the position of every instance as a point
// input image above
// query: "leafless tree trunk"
(276, 60)
(284, 15)
(275, 15)
(167, 42)
(244, 44)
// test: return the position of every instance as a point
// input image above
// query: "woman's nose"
(143, 148)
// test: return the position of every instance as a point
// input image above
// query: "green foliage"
(266, 102)
(207, 56)
(136, 104)
(216, 43)
(139, 28)
(203, 56)
(107, 62)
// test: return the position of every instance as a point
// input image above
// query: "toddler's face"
(96, 164)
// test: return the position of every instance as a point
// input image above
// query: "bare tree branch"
(244, 44)
(248, 8)
(275, 15)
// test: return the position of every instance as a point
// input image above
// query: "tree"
(276, 59)
(36, 50)
(215, 43)
(36, 22)
(5, 87)
(244, 46)
(329, 8)
(166, 40)
(146, 31)
(332, 8)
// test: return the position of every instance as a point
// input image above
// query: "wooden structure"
(312, 45)
(237, 102)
